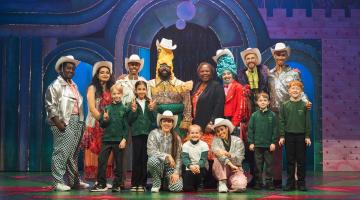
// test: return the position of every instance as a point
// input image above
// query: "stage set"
(324, 37)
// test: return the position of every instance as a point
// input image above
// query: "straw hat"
(165, 43)
(224, 122)
(65, 59)
(100, 64)
(247, 51)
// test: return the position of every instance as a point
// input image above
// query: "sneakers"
(62, 187)
(133, 189)
(155, 189)
(83, 185)
(223, 187)
(116, 189)
(98, 188)
(141, 189)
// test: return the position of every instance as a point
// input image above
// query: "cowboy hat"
(223, 122)
(100, 64)
(134, 58)
(248, 51)
(167, 114)
(65, 59)
(222, 52)
(280, 47)
(166, 43)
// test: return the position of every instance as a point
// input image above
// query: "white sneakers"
(83, 185)
(222, 187)
(155, 189)
(62, 187)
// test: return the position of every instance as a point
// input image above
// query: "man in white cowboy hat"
(169, 92)
(279, 78)
(229, 153)
(164, 150)
(134, 64)
(64, 109)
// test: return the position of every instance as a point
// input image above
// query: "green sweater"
(294, 118)
(141, 122)
(262, 129)
(116, 128)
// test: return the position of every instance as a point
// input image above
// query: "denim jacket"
(60, 100)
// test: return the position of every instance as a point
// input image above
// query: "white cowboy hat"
(134, 58)
(280, 47)
(100, 64)
(247, 51)
(166, 43)
(224, 122)
(167, 114)
(222, 52)
(64, 59)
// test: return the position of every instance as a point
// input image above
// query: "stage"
(327, 185)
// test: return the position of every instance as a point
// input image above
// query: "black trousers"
(263, 155)
(139, 170)
(106, 149)
(296, 156)
(191, 182)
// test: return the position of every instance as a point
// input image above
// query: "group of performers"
(185, 136)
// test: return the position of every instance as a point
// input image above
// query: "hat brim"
(100, 64)
(159, 117)
(255, 51)
(141, 62)
(223, 52)
(158, 45)
(226, 123)
(287, 49)
(65, 59)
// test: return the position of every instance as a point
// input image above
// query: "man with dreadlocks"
(169, 92)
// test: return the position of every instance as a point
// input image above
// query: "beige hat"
(166, 43)
(224, 122)
(64, 59)
(167, 114)
(247, 51)
(222, 52)
(134, 58)
(280, 47)
(100, 64)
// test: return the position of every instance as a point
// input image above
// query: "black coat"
(210, 104)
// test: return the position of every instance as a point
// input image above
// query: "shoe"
(98, 188)
(257, 186)
(108, 185)
(302, 188)
(62, 187)
(289, 188)
(141, 189)
(83, 185)
(155, 189)
(270, 186)
(223, 187)
(134, 189)
(116, 189)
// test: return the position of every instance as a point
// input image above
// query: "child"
(194, 156)
(113, 140)
(141, 119)
(229, 153)
(295, 133)
(262, 135)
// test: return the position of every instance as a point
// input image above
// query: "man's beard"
(164, 76)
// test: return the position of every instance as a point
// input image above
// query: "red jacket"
(236, 104)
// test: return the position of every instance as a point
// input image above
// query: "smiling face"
(166, 124)
(250, 60)
(164, 72)
(68, 71)
(222, 132)
(227, 77)
(140, 91)
(280, 57)
(205, 72)
(195, 133)
(104, 74)
(262, 102)
(133, 68)
(295, 91)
